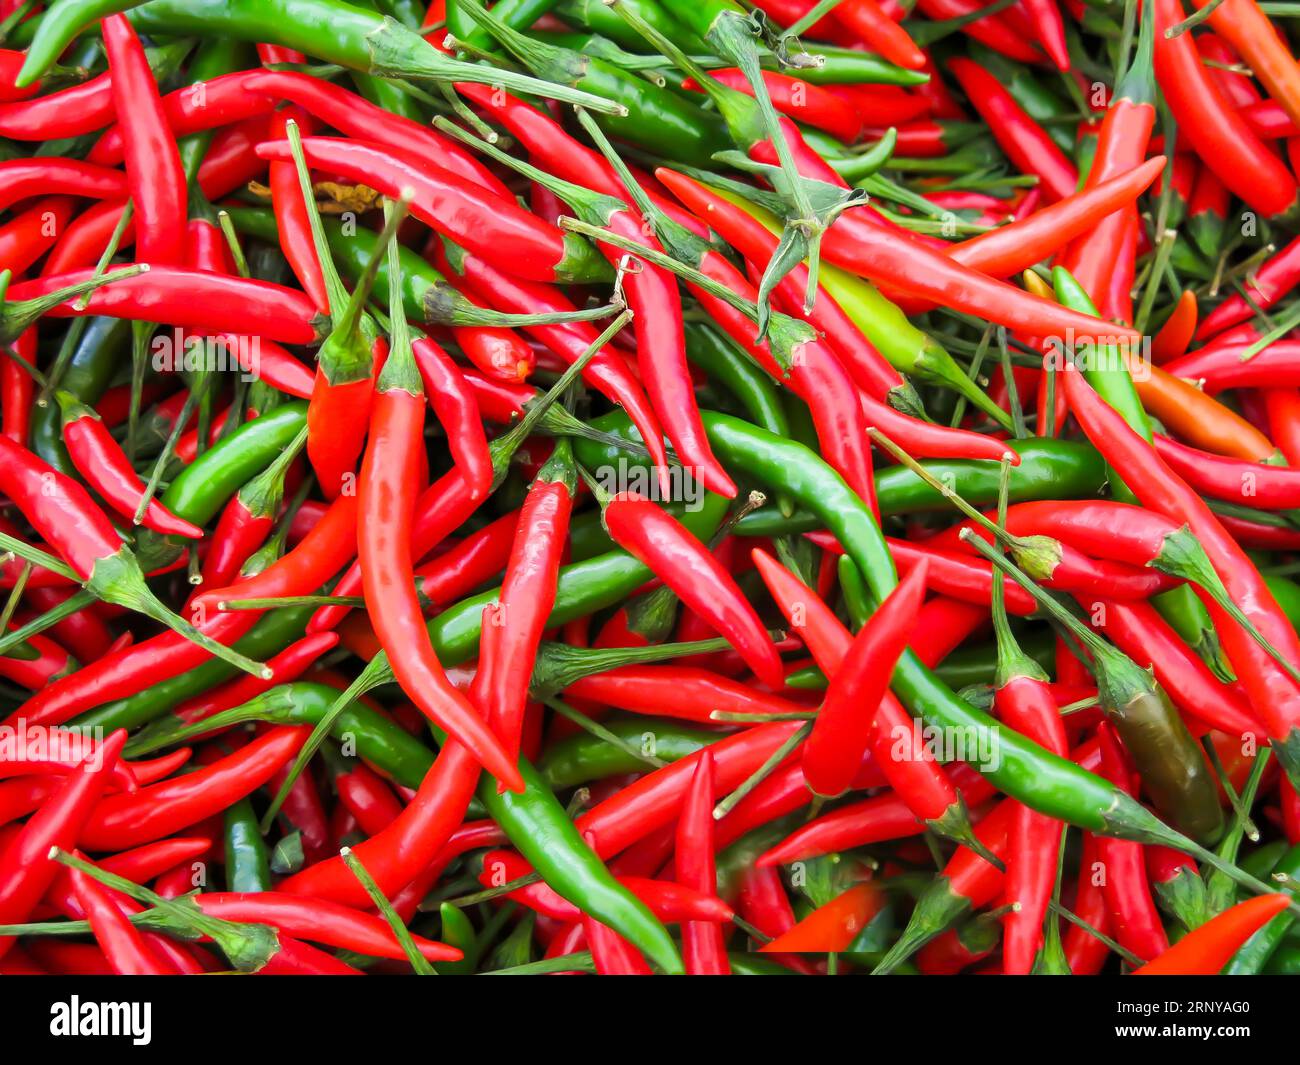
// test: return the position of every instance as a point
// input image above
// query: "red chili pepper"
(992, 30)
(687, 693)
(29, 235)
(1028, 147)
(478, 557)
(153, 163)
(388, 488)
(513, 629)
(833, 926)
(194, 299)
(895, 744)
(607, 371)
(291, 219)
(843, 727)
(457, 412)
(1011, 248)
(1274, 695)
(70, 112)
(126, 950)
(1176, 334)
(685, 565)
(1133, 914)
(1085, 953)
(100, 459)
(319, 920)
(1212, 126)
(481, 221)
(1207, 949)
(879, 32)
(26, 870)
(704, 947)
(21, 179)
(365, 795)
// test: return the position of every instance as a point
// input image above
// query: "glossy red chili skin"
(607, 371)
(1212, 126)
(191, 298)
(70, 112)
(1028, 147)
(842, 731)
(663, 544)
(153, 163)
(123, 821)
(1127, 891)
(388, 488)
(661, 356)
(480, 221)
(29, 235)
(291, 219)
(101, 460)
(21, 179)
(687, 693)
(457, 412)
(527, 596)
(25, 863)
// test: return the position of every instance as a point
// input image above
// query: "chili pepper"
(245, 853)
(607, 371)
(1266, 285)
(104, 464)
(193, 299)
(25, 178)
(1215, 130)
(968, 881)
(126, 950)
(367, 798)
(881, 33)
(991, 30)
(527, 597)
(1205, 950)
(703, 945)
(1269, 689)
(688, 693)
(840, 734)
(834, 926)
(247, 520)
(486, 224)
(28, 870)
(1176, 334)
(156, 811)
(153, 165)
(810, 104)
(387, 496)
(1028, 147)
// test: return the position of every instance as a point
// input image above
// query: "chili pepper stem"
(419, 963)
(118, 579)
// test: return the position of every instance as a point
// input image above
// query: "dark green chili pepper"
(205, 485)
(583, 758)
(543, 832)
(89, 372)
(598, 17)
(272, 634)
(657, 119)
(368, 735)
(248, 862)
(977, 665)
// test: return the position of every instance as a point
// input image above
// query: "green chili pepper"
(206, 484)
(756, 392)
(1041, 780)
(1287, 594)
(599, 17)
(543, 832)
(369, 735)
(89, 372)
(657, 119)
(248, 862)
(583, 758)
(457, 931)
(1258, 951)
(272, 634)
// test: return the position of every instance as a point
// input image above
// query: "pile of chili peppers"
(649, 486)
